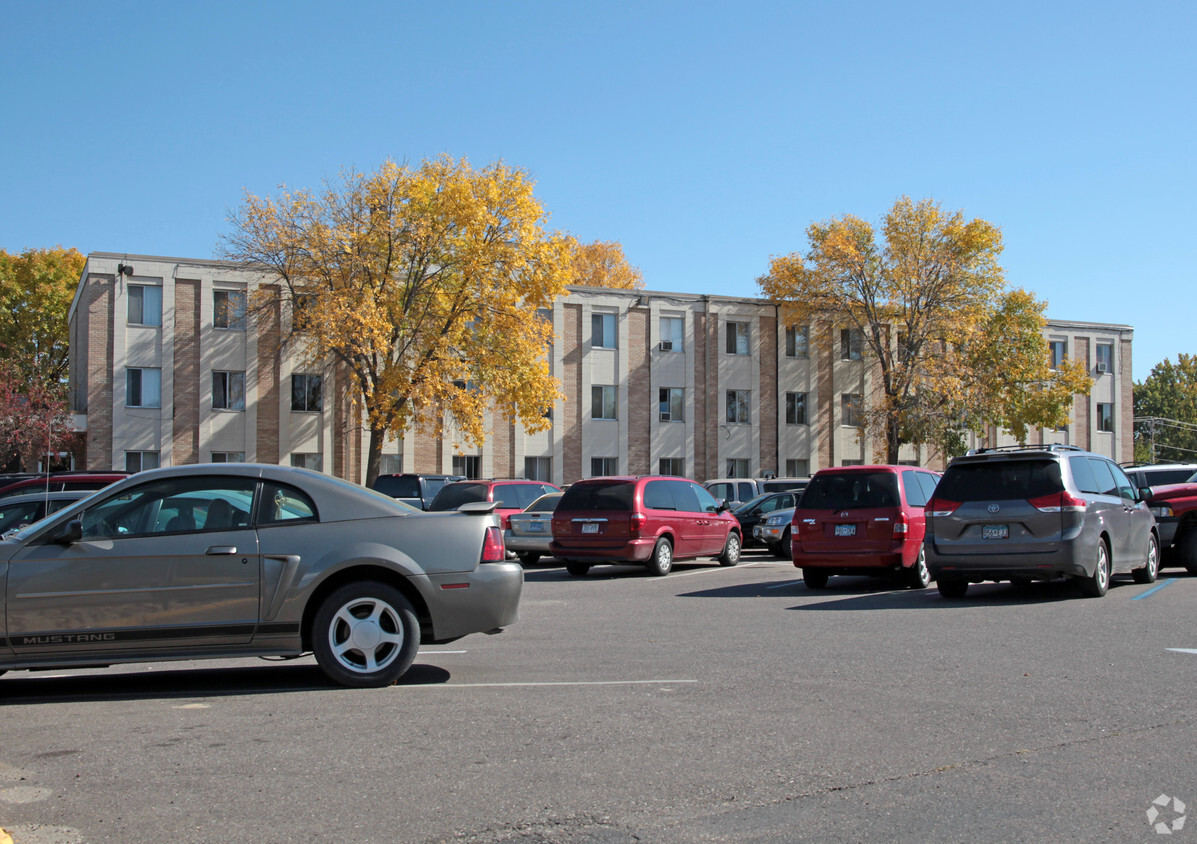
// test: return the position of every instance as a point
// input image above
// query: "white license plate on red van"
(590, 527)
(845, 530)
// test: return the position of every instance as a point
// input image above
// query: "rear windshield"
(453, 496)
(601, 495)
(843, 490)
(398, 486)
(1000, 480)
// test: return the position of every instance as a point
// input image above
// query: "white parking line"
(1184, 650)
(430, 653)
(563, 683)
(787, 583)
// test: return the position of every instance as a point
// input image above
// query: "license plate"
(590, 527)
(995, 531)
(536, 527)
(845, 530)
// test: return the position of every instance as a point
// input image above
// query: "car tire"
(918, 576)
(782, 549)
(1098, 583)
(577, 569)
(365, 635)
(1187, 548)
(731, 550)
(528, 558)
(814, 578)
(661, 562)
(1151, 564)
(951, 587)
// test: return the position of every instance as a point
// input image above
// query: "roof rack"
(1044, 447)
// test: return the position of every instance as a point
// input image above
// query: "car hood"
(1170, 492)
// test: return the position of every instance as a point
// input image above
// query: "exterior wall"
(188, 349)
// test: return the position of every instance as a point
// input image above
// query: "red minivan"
(863, 520)
(647, 520)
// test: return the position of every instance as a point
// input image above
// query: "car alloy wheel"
(918, 575)
(366, 634)
(1098, 583)
(731, 550)
(1151, 563)
(661, 562)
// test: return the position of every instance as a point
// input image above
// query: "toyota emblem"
(993, 508)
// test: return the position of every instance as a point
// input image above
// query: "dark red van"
(863, 520)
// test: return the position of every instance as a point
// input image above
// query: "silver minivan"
(1037, 513)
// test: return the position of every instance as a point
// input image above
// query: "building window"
(228, 391)
(1105, 417)
(673, 403)
(228, 309)
(602, 331)
(852, 463)
(140, 461)
(602, 466)
(672, 329)
(306, 392)
(602, 402)
(675, 466)
(850, 407)
(737, 467)
(797, 468)
(737, 338)
(1105, 357)
(851, 344)
(143, 387)
(228, 457)
(1059, 350)
(309, 460)
(390, 464)
(467, 465)
(145, 304)
(795, 408)
(538, 468)
(798, 341)
(738, 407)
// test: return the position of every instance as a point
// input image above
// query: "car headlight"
(1160, 511)
(776, 520)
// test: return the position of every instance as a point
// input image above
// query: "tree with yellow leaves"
(603, 264)
(423, 282)
(932, 308)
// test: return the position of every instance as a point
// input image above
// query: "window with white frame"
(739, 407)
(602, 331)
(850, 409)
(228, 390)
(538, 468)
(672, 333)
(798, 341)
(308, 460)
(143, 387)
(737, 467)
(228, 457)
(602, 402)
(795, 408)
(796, 468)
(1105, 417)
(145, 304)
(737, 338)
(675, 466)
(307, 392)
(140, 461)
(390, 464)
(228, 309)
(1105, 357)
(1059, 351)
(851, 344)
(601, 466)
(467, 465)
(673, 404)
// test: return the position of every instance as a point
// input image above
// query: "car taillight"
(493, 550)
(900, 526)
(1057, 502)
(506, 522)
(636, 523)
(941, 507)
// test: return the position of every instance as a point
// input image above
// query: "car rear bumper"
(847, 560)
(478, 601)
(634, 551)
(538, 543)
(1067, 559)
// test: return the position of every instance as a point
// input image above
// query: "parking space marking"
(1184, 650)
(437, 653)
(787, 583)
(561, 683)
(1154, 589)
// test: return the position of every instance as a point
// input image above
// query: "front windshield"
(747, 506)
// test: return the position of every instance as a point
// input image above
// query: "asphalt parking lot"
(714, 704)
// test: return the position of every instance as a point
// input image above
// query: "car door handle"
(222, 550)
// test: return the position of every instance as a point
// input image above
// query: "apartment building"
(169, 366)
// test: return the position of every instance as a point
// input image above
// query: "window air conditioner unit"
(666, 345)
(1101, 367)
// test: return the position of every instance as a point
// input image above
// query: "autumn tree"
(603, 264)
(34, 418)
(929, 300)
(423, 283)
(1166, 412)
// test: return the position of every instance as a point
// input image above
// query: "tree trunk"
(374, 455)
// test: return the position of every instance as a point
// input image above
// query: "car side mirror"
(723, 506)
(1144, 493)
(69, 533)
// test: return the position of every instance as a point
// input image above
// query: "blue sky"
(704, 137)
